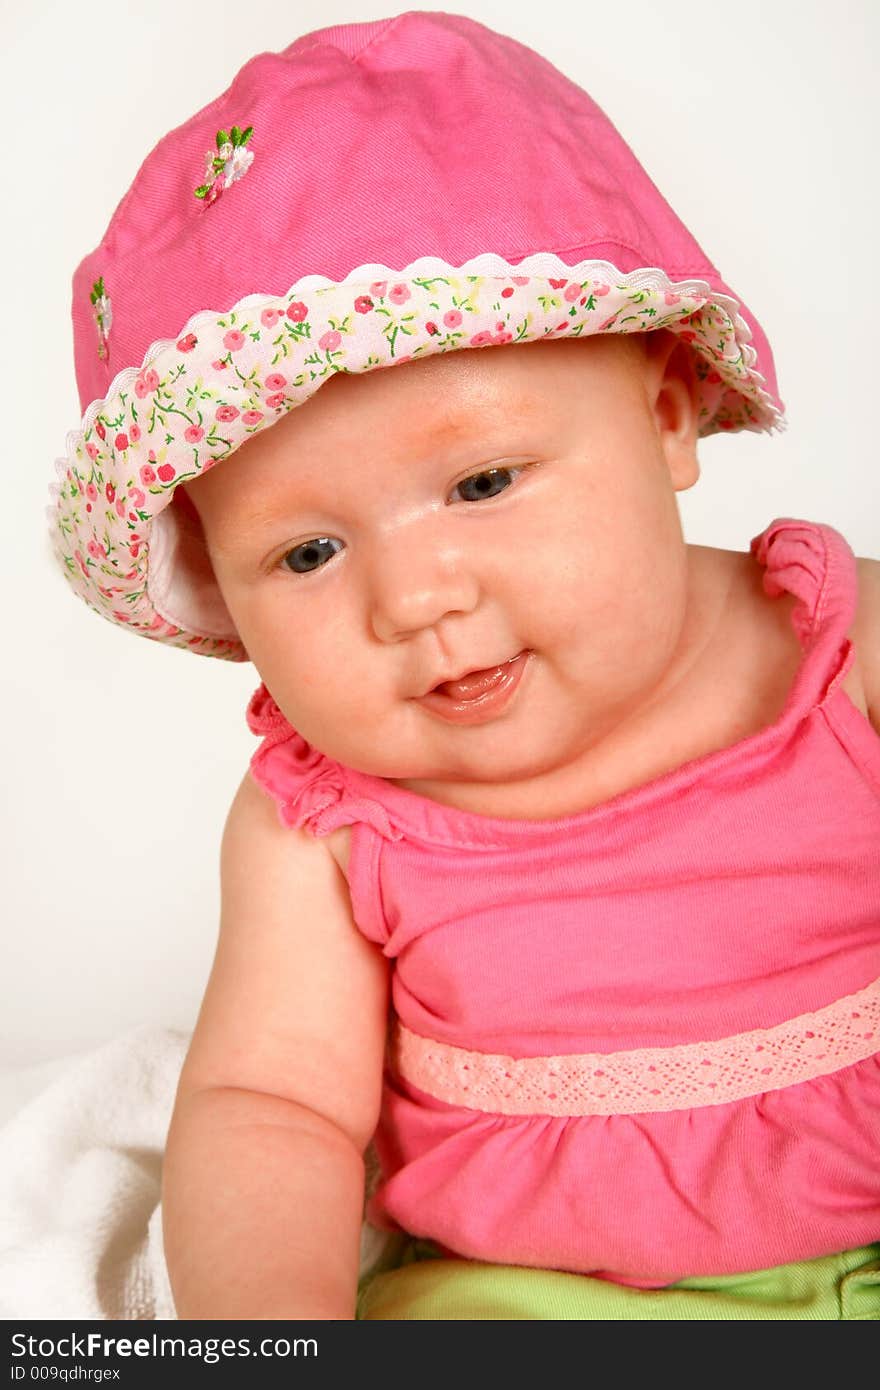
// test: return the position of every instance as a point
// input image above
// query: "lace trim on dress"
(648, 1079)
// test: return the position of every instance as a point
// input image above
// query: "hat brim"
(195, 399)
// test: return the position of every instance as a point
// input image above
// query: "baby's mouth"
(477, 697)
(474, 683)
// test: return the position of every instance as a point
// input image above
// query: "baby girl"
(553, 885)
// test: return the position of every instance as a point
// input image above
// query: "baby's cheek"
(571, 585)
(592, 614)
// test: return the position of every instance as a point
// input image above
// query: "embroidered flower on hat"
(230, 163)
(103, 313)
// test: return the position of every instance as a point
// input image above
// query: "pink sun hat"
(375, 193)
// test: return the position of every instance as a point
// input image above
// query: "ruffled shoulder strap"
(815, 563)
(308, 788)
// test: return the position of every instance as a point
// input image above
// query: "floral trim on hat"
(230, 163)
(102, 310)
(197, 399)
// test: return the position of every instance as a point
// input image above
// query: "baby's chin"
(412, 748)
(482, 771)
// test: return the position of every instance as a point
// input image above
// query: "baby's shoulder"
(865, 637)
(251, 807)
(768, 644)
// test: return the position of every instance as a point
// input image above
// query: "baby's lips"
(473, 682)
(465, 685)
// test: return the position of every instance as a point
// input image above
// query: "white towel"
(80, 1170)
(80, 1181)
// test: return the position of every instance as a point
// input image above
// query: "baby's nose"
(414, 582)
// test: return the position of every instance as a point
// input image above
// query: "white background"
(758, 121)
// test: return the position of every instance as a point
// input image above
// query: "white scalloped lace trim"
(196, 398)
(546, 264)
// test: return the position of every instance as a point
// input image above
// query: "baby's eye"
(311, 554)
(486, 484)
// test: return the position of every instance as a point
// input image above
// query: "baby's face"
(409, 525)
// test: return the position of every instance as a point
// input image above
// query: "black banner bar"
(135, 1354)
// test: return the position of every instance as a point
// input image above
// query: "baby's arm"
(263, 1182)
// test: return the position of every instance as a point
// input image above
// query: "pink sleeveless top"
(640, 1041)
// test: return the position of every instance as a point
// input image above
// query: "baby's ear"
(671, 386)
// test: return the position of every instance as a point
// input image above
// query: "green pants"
(425, 1286)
